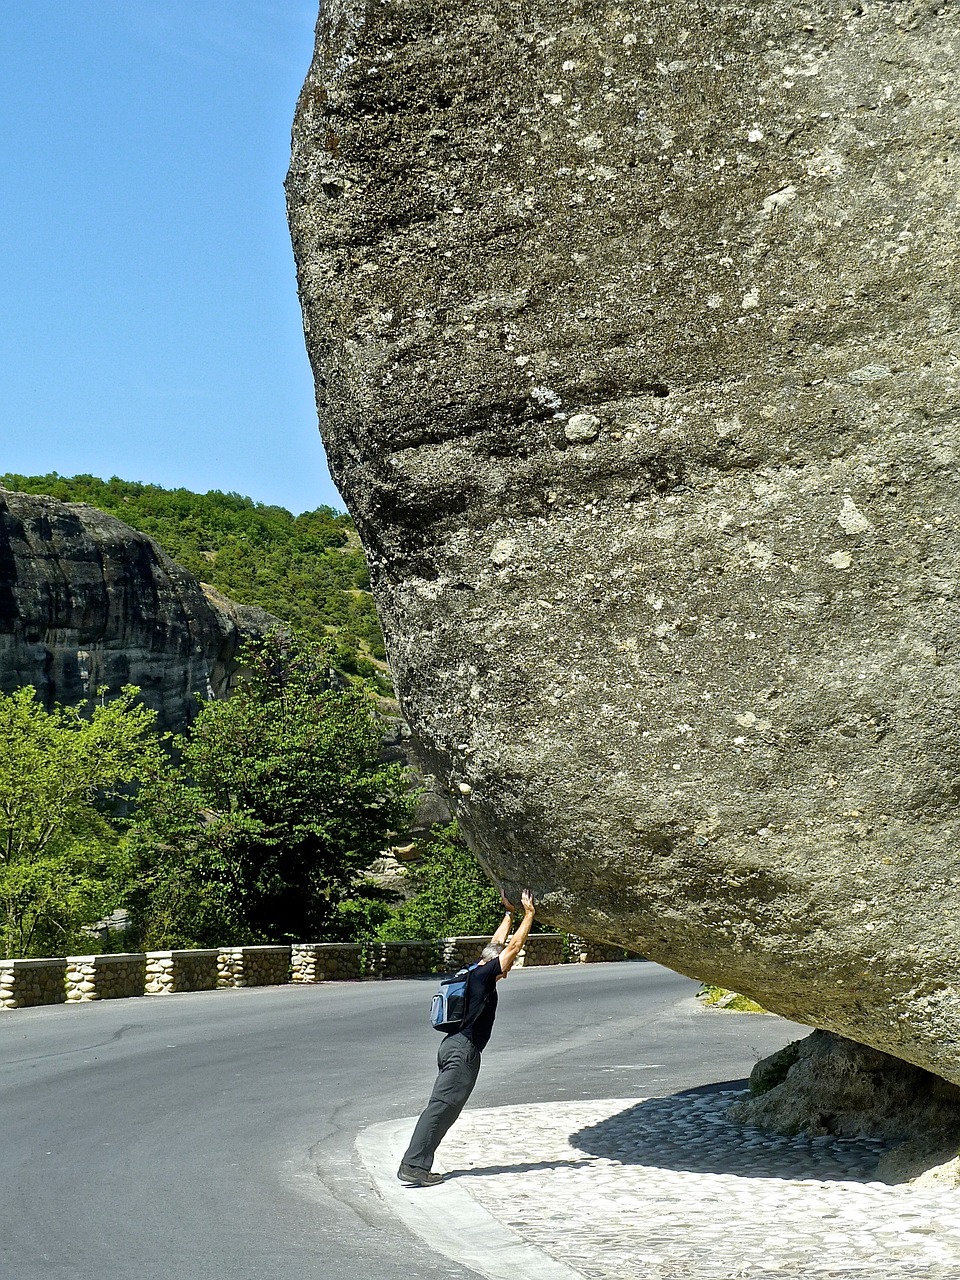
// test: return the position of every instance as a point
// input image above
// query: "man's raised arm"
(513, 948)
(503, 930)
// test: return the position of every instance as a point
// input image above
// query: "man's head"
(490, 951)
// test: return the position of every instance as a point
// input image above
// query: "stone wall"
(326, 961)
(586, 951)
(404, 959)
(460, 951)
(106, 977)
(542, 949)
(53, 980)
(253, 966)
(32, 982)
(170, 971)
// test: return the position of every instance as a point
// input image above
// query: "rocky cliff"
(87, 601)
(635, 331)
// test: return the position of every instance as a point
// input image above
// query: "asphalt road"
(211, 1136)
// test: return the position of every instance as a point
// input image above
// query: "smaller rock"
(840, 560)
(834, 1087)
(582, 428)
(851, 519)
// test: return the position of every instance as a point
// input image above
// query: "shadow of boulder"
(692, 1132)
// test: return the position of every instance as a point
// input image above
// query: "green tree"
(289, 803)
(182, 889)
(451, 894)
(65, 778)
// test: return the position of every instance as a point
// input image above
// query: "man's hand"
(506, 902)
(529, 906)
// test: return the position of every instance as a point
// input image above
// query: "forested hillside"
(308, 569)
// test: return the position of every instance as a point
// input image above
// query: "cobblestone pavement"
(669, 1189)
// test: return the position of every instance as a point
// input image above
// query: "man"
(459, 1055)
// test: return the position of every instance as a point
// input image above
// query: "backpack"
(450, 1003)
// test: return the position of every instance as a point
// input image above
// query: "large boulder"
(636, 340)
(86, 602)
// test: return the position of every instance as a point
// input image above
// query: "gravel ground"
(669, 1189)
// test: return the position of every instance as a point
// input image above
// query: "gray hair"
(491, 950)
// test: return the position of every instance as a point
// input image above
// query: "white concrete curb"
(447, 1218)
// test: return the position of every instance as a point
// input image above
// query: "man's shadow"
(531, 1166)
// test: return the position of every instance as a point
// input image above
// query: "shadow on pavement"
(531, 1167)
(690, 1132)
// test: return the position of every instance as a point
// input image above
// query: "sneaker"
(415, 1177)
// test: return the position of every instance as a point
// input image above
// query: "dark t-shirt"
(478, 1021)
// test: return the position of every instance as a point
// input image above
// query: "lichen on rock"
(635, 338)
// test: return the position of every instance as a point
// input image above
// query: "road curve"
(211, 1136)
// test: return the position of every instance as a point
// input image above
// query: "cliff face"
(636, 338)
(87, 601)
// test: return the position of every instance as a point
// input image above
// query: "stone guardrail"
(457, 952)
(169, 971)
(327, 961)
(109, 977)
(30, 982)
(253, 966)
(404, 959)
(542, 948)
(54, 980)
(586, 951)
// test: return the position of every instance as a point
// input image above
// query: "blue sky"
(149, 325)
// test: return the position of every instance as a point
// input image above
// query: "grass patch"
(721, 998)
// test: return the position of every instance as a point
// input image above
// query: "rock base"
(827, 1085)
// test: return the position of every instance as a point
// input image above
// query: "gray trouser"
(459, 1063)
